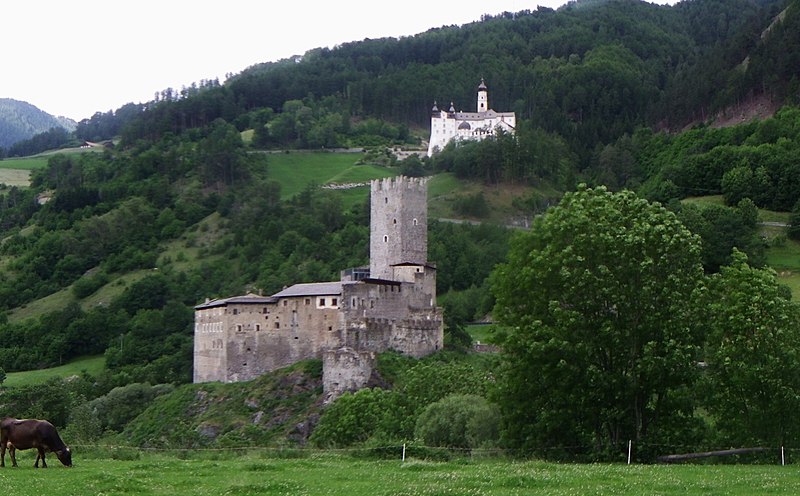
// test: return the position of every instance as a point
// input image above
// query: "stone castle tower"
(389, 306)
(398, 225)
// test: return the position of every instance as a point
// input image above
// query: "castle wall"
(346, 369)
(210, 361)
(377, 316)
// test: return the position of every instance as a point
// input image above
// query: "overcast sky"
(75, 58)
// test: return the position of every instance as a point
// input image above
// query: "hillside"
(21, 121)
(226, 189)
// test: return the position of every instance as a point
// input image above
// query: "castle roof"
(479, 116)
(249, 298)
(313, 289)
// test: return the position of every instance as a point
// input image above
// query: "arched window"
(385, 239)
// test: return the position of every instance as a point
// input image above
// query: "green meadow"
(92, 365)
(295, 171)
(228, 473)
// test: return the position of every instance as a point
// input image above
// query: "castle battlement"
(399, 182)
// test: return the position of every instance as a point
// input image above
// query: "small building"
(451, 125)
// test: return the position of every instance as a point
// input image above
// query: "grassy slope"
(296, 170)
(17, 171)
(92, 365)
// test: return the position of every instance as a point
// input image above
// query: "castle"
(390, 305)
(450, 125)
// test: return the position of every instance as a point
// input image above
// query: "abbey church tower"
(398, 225)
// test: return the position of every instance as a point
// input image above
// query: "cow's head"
(65, 456)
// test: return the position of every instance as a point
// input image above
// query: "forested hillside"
(20, 121)
(588, 74)
(190, 201)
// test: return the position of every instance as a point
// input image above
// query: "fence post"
(404, 452)
(629, 451)
(783, 457)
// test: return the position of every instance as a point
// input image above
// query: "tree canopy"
(598, 296)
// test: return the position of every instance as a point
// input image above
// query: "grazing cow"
(31, 433)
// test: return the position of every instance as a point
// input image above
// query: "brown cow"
(31, 433)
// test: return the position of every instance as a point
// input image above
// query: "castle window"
(330, 328)
(415, 222)
(353, 302)
(334, 302)
(308, 301)
(386, 239)
(235, 311)
(394, 221)
(321, 302)
(258, 327)
(239, 328)
(372, 303)
(277, 325)
(386, 199)
(285, 302)
(265, 310)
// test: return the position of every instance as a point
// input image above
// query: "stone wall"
(345, 369)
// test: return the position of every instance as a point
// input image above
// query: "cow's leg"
(12, 450)
(3, 453)
(38, 456)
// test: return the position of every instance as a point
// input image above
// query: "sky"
(76, 58)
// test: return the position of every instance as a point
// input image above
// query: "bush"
(472, 205)
(464, 421)
(351, 419)
(123, 404)
(86, 286)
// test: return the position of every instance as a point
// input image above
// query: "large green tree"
(753, 356)
(598, 297)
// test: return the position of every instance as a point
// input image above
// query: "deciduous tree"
(598, 296)
(754, 356)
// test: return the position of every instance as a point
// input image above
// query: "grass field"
(254, 473)
(296, 170)
(15, 177)
(92, 365)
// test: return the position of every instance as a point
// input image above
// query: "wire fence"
(630, 453)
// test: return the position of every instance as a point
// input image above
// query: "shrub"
(463, 421)
(351, 419)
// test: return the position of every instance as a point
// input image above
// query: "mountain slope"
(21, 120)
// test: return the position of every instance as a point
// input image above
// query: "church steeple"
(483, 97)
